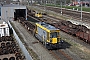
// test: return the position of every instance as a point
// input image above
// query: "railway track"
(57, 23)
(60, 55)
(66, 27)
(47, 20)
(79, 31)
(70, 13)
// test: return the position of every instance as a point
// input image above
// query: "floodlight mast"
(81, 9)
(61, 7)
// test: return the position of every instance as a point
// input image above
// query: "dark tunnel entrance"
(19, 13)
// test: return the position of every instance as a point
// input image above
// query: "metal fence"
(22, 47)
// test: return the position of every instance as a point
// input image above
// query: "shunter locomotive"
(38, 14)
(48, 35)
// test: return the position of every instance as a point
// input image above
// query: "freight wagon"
(48, 35)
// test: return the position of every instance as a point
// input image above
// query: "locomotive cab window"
(53, 34)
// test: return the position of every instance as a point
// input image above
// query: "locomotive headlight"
(47, 43)
(61, 41)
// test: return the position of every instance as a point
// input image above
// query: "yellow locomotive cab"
(54, 36)
(38, 15)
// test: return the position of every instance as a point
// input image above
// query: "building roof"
(12, 5)
(48, 26)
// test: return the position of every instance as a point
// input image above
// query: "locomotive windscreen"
(53, 34)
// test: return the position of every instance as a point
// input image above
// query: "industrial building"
(11, 12)
(4, 29)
